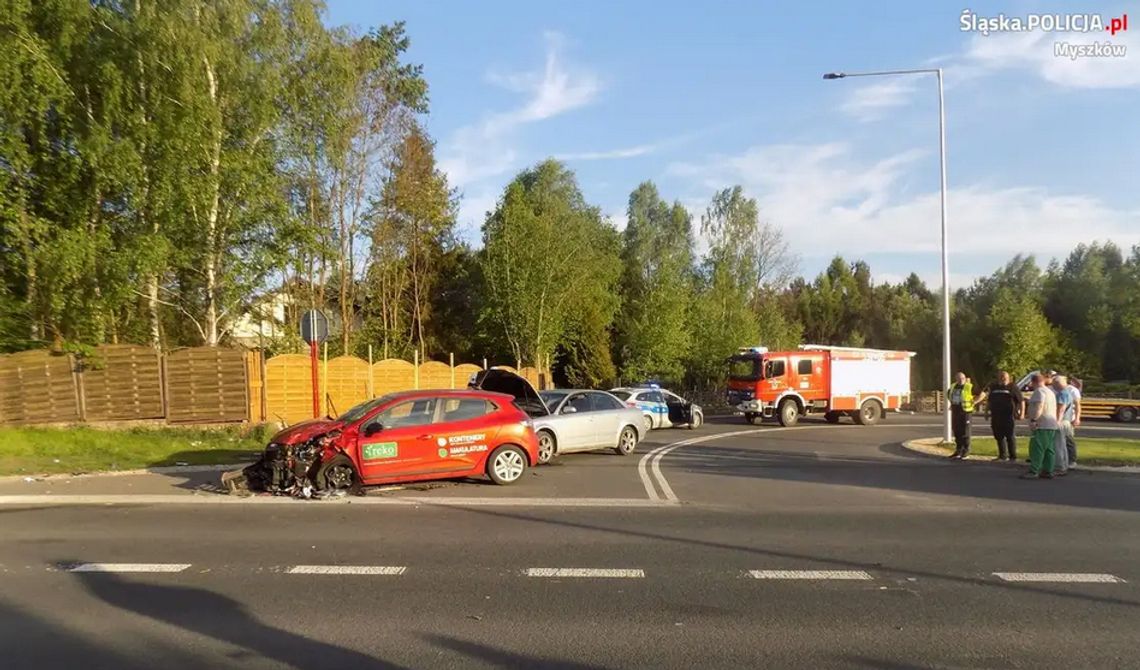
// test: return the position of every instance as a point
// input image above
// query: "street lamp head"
(834, 75)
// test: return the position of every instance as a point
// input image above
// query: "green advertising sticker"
(380, 450)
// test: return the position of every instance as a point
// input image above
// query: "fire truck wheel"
(789, 412)
(869, 413)
(831, 417)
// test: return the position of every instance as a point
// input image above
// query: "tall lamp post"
(945, 256)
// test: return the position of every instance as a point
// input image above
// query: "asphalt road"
(819, 546)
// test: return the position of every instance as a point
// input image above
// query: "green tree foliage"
(723, 318)
(551, 264)
(1024, 338)
(412, 227)
(653, 337)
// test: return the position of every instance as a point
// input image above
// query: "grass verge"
(1090, 450)
(35, 451)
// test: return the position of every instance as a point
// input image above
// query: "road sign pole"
(313, 346)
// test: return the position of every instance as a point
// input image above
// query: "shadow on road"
(502, 658)
(28, 641)
(908, 472)
(223, 619)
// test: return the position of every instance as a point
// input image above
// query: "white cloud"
(628, 152)
(1035, 52)
(870, 102)
(828, 202)
(486, 149)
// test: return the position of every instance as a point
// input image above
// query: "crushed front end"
(286, 468)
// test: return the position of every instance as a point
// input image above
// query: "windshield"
(744, 368)
(622, 395)
(357, 413)
(552, 398)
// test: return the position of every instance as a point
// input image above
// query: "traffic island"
(1097, 454)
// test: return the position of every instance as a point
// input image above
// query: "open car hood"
(505, 381)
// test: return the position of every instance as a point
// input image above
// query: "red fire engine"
(818, 379)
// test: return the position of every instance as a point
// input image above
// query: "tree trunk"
(212, 245)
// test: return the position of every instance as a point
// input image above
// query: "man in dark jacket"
(1006, 406)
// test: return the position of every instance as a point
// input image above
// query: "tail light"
(631, 405)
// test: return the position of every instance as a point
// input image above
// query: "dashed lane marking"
(621, 573)
(809, 574)
(347, 570)
(129, 567)
(1071, 577)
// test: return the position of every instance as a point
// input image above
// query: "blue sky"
(1043, 152)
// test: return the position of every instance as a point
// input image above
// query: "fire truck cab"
(818, 379)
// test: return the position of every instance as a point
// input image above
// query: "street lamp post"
(945, 240)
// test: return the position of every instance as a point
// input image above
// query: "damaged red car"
(400, 437)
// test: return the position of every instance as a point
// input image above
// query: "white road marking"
(623, 573)
(347, 570)
(1072, 577)
(651, 461)
(129, 567)
(809, 574)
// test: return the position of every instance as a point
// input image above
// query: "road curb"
(932, 446)
(162, 470)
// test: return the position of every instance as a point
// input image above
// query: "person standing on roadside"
(1005, 408)
(961, 397)
(1065, 414)
(1074, 421)
(1042, 415)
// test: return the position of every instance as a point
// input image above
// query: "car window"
(552, 398)
(357, 413)
(603, 402)
(462, 409)
(804, 367)
(580, 402)
(622, 395)
(418, 412)
(655, 397)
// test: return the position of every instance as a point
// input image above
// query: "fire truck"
(818, 379)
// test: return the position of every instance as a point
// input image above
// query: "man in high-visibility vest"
(961, 398)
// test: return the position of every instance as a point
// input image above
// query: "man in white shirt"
(1043, 423)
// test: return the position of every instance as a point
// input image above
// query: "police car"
(660, 408)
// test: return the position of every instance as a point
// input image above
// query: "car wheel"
(546, 447)
(627, 441)
(337, 474)
(789, 413)
(1126, 414)
(647, 422)
(831, 417)
(753, 418)
(506, 465)
(698, 419)
(869, 413)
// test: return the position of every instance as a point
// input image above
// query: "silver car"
(568, 420)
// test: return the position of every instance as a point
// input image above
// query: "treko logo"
(1049, 23)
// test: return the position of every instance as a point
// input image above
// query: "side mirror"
(372, 428)
(569, 409)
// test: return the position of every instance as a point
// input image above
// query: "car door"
(576, 425)
(462, 435)
(658, 408)
(405, 442)
(680, 410)
(608, 415)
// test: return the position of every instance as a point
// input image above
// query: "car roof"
(459, 393)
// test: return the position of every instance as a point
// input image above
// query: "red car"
(410, 436)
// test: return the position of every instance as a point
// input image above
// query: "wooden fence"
(205, 385)
(345, 381)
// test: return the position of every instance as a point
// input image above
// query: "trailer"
(1124, 410)
(863, 384)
